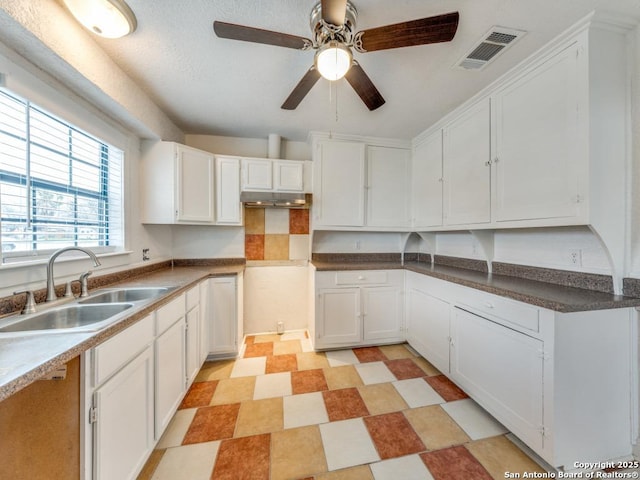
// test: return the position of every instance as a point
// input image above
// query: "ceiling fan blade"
(301, 89)
(364, 87)
(440, 28)
(257, 35)
(334, 11)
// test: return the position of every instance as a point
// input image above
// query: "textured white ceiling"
(209, 85)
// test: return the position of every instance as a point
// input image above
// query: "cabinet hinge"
(542, 431)
(93, 415)
(578, 199)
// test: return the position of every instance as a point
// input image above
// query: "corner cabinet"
(426, 182)
(362, 307)
(360, 185)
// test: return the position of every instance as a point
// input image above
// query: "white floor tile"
(410, 467)
(304, 409)
(338, 358)
(272, 385)
(417, 393)
(347, 443)
(248, 367)
(194, 462)
(177, 428)
(374, 372)
(473, 419)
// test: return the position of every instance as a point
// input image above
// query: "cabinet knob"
(360, 277)
(488, 305)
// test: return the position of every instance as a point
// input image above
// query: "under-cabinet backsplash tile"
(276, 234)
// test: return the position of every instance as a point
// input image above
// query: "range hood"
(275, 199)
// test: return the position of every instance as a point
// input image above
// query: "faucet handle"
(30, 304)
(84, 289)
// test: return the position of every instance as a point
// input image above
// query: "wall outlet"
(358, 245)
(575, 258)
(145, 254)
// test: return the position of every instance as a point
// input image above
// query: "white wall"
(248, 147)
(357, 242)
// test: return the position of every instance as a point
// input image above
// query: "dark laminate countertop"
(555, 297)
(25, 358)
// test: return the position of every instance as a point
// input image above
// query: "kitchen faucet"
(51, 289)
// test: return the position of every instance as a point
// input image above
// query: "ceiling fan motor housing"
(324, 32)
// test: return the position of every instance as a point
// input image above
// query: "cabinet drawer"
(193, 298)
(169, 314)
(504, 310)
(362, 277)
(109, 356)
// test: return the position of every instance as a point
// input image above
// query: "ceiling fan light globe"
(333, 60)
(107, 18)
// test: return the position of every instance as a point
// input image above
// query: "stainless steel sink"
(125, 295)
(68, 318)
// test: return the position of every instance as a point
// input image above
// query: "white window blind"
(59, 186)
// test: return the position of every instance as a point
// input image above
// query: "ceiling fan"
(333, 25)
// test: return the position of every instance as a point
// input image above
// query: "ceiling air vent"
(494, 42)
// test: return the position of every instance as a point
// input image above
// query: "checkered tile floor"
(282, 411)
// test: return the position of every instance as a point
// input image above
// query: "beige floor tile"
(259, 416)
(312, 360)
(234, 390)
(289, 346)
(435, 428)
(426, 366)
(396, 352)
(194, 462)
(269, 337)
(215, 370)
(499, 455)
(382, 398)
(344, 376)
(297, 453)
(362, 472)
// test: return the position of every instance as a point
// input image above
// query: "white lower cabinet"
(193, 333)
(503, 368)
(427, 322)
(359, 308)
(170, 350)
(560, 382)
(224, 324)
(123, 434)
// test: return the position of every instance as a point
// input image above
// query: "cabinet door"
(466, 165)
(382, 309)
(256, 174)
(338, 192)
(123, 427)
(228, 206)
(223, 316)
(170, 374)
(537, 171)
(203, 348)
(194, 188)
(193, 340)
(288, 176)
(338, 317)
(388, 187)
(426, 182)
(502, 369)
(428, 327)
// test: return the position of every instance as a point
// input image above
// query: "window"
(59, 186)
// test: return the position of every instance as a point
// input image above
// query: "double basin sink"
(88, 314)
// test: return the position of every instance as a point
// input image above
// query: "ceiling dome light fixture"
(107, 18)
(333, 60)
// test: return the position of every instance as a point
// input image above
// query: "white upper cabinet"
(256, 174)
(267, 175)
(338, 190)
(177, 184)
(288, 175)
(537, 162)
(426, 182)
(359, 185)
(228, 206)
(388, 187)
(467, 160)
